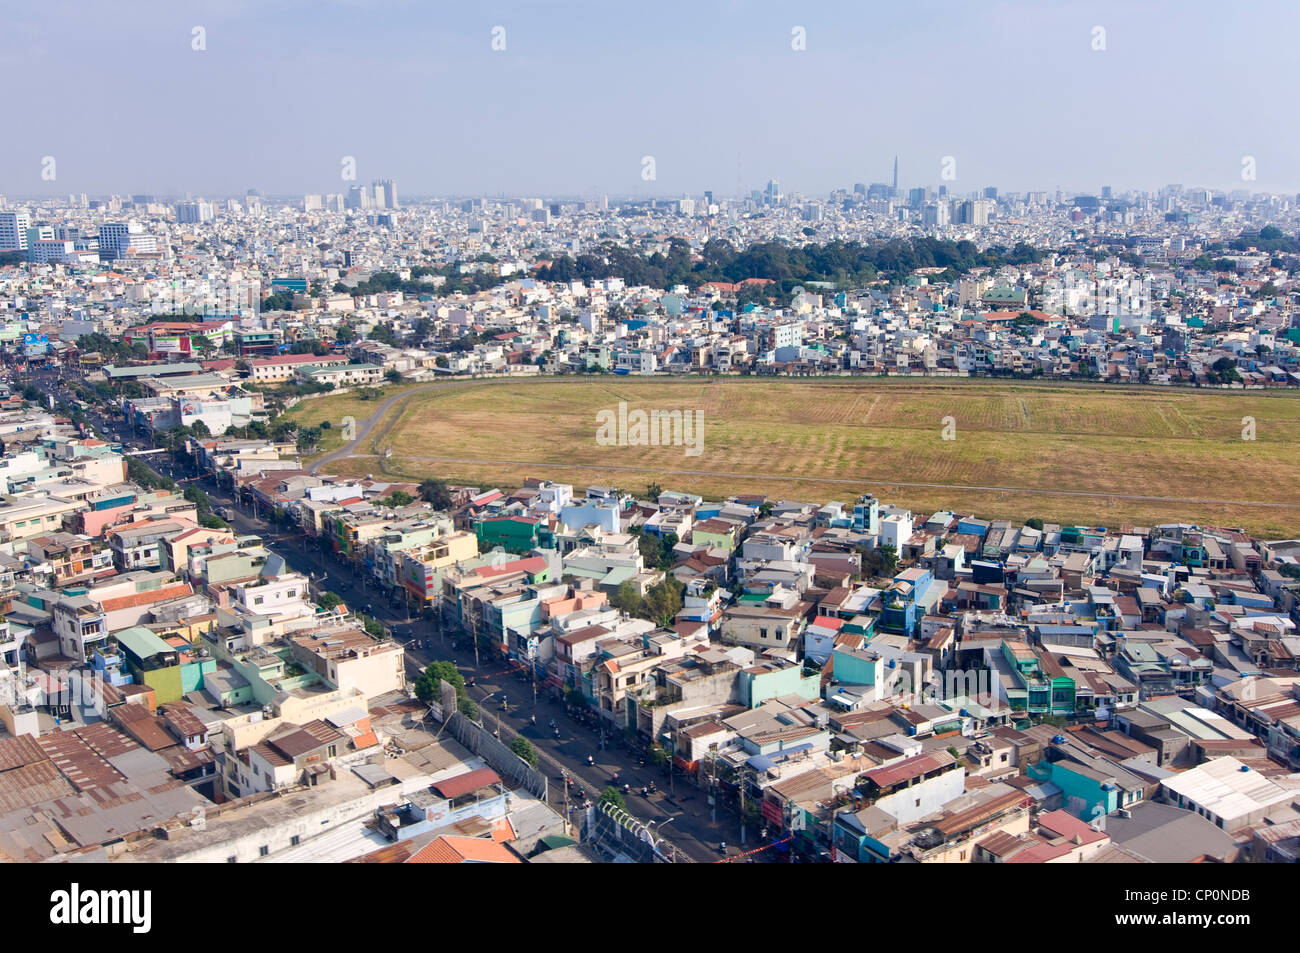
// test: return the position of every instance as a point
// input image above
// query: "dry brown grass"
(1162, 442)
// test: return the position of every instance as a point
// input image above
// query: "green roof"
(142, 642)
(618, 575)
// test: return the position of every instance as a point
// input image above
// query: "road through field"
(796, 478)
(1092, 448)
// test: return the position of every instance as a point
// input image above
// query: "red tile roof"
(461, 850)
(147, 598)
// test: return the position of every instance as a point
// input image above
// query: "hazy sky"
(1014, 91)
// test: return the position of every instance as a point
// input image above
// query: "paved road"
(684, 818)
(365, 427)
(568, 753)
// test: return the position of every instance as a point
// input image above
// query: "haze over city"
(1023, 95)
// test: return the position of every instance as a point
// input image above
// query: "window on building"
(263, 850)
(232, 860)
(294, 840)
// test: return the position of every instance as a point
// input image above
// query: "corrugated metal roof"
(464, 783)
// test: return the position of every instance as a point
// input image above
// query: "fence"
(476, 737)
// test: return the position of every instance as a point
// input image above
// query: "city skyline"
(720, 95)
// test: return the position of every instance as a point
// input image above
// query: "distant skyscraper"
(895, 173)
(13, 231)
(935, 213)
(117, 241)
(973, 212)
(189, 213)
(386, 194)
(360, 198)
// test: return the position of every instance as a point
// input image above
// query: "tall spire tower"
(895, 173)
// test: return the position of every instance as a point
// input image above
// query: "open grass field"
(335, 408)
(1080, 449)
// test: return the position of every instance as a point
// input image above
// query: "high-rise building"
(311, 203)
(895, 173)
(974, 212)
(117, 240)
(190, 213)
(360, 198)
(51, 250)
(13, 231)
(772, 194)
(386, 194)
(936, 214)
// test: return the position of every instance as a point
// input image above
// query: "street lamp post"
(662, 825)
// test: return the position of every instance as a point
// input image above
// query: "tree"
(393, 375)
(426, 686)
(1226, 369)
(329, 600)
(628, 598)
(1035, 523)
(525, 750)
(435, 492)
(653, 491)
(658, 755)
(664, 601)
(308, 438)
(574, 698)
(612, 796)
(398, 498)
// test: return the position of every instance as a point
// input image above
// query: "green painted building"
(514, 534)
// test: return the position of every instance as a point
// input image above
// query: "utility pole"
(713, 782)
(473, 619)
(742, 806)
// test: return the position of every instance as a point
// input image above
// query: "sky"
(1019, 94)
